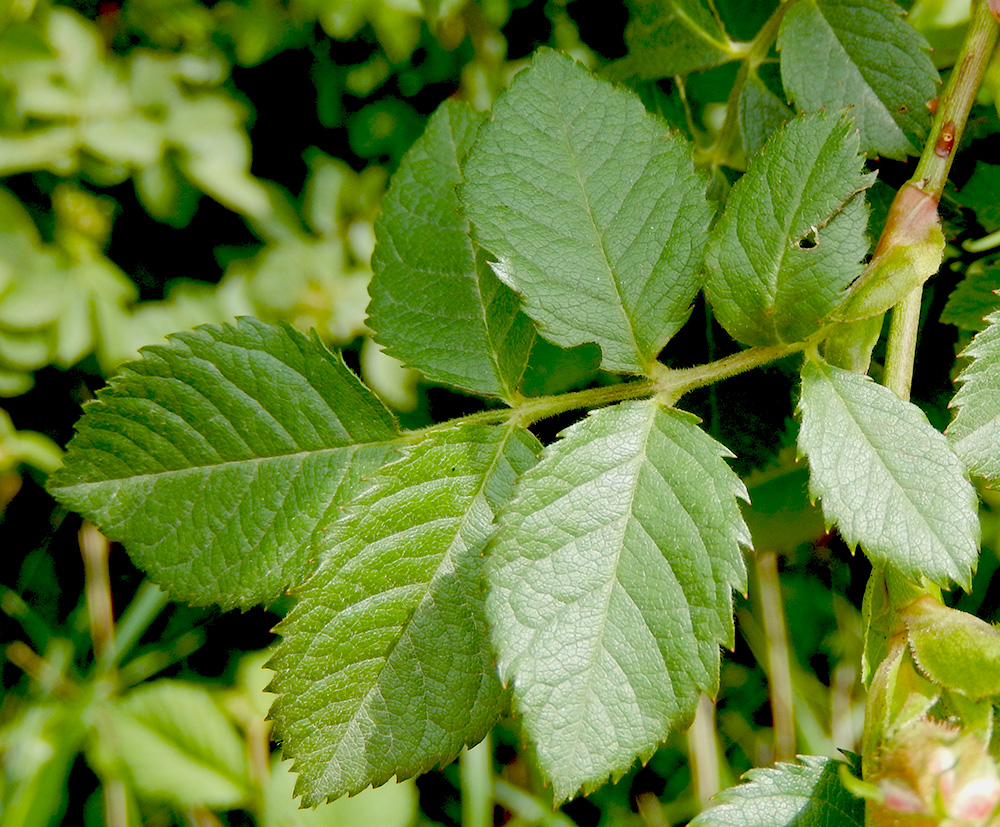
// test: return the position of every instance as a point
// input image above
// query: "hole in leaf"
(809, 240)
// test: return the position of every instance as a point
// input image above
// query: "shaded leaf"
(809, 794)
(671, 37)
(834, 54)
(216, 459)
(385, 667)
(761, 113)
(594, 212)
(975, 297)
(886, 477)
(436, 305)
(975, 431)
(610, 587)
(793, 233)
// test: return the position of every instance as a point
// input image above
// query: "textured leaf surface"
(436, 305)
(793, 233)
(834, 53)
(385, 667)
(215, 459)
(671, 37)
(610, 587)
(593, 211)
(761, 113)
(886, 477)
(809, 794)
(975, 431)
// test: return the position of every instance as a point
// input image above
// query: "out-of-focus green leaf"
(593, 211)
(833, 54)
(975, 296)
(610, 588)
(177, 745)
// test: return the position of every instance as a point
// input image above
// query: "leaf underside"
(834, 54)
(886, 477)
(975, 431)
(809, 794)
(593, 211)
(610, 587)
(385, 667)
(436, 305)
(792, 236)
(215, 458)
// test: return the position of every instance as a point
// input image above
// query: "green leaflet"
(436, 305)
(793, 233)
(975, 431)
(809, 794)
(833, 54)
(215, 459)
(671, 37)
(610, 587)
(886, 477)
(761, 113)
(593, 212)
(385, 667)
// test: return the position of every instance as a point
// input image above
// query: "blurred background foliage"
(168, 163)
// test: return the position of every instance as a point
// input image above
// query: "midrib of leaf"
(598, 235)
(444, 566)
(878, 454)
(699, 32)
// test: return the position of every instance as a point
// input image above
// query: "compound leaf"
(809, 794)
(385, 667)
(975, 431)
(594, 212)
(793, 233)
(610, 587)
(436, 305)
(216, 459)
(833, 54)
(886, 477)
(975, 296)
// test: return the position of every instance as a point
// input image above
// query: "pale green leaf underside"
(808, 794)
(216, 459)
(975, 432)
(862, 54)
(436, 305)
(385, 667)
(610, 587)
(593, 212)
(793, 233)
(887, 479)
(671, 37)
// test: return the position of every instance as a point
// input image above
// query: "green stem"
(779, 678)
(145, 607)
(528, 808)
(902, 345)
(476, 776)
(727, 143)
